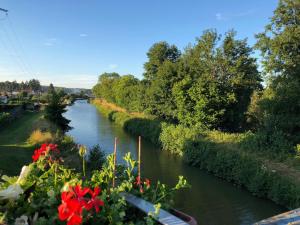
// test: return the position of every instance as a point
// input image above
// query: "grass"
(15, 151)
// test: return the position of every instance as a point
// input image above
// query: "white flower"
(23, 220)
(24, 173)
(12, 192)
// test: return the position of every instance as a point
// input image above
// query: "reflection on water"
(210, 200)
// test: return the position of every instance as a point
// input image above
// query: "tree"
(127, 93)
(157, 54)
(55, 109)
(242, 78)
(279, 45)
(34, 85)
(104, 87)
(160, 101)
(216, 84)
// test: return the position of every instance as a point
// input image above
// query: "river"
(210, 200)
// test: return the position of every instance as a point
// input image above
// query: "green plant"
(47, 192)
(96, 158)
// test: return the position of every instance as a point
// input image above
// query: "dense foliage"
(279, 45)
(209, 86)
(215, 83)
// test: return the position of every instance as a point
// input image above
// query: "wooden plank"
(163, 217)
(290, 217)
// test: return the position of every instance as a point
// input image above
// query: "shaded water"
(210, 200)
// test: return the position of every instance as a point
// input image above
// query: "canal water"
(210, 200)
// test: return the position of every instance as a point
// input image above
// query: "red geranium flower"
(138, 181)
(70, 209)
(94, 201)
(75, 200)
(43, 150)
(147, 182)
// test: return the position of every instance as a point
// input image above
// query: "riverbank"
(219, 153)
(15, 150)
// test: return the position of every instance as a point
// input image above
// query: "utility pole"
(4, 10)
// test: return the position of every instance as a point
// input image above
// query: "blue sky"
(69, 43)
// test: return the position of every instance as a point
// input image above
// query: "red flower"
(147, 182)
(75, 200)
(80, 193)
(75, 220)
(141, 190)
(94, 201)
(70, 209)
(43, 150)
(138, 181)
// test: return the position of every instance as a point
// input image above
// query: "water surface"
(210, 200)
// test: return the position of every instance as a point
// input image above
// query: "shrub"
(273, 143)
(245, 170)
(67, 143)
(38, 137)
(173, 137)
(96, 158)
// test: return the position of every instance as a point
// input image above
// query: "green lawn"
(14, 149)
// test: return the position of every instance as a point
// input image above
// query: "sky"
(70, 43)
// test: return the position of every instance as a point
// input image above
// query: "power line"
(13, 55)
(19, 43)
(12, 50)
(16, 46)
(4, 10)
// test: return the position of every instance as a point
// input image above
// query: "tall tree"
(104, 87)
(217, 80)
(34, 85)
(279, 45)
(157, 54)
(55, 109)
(159, 99)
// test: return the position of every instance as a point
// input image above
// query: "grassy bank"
(238, 158)
(15, 150)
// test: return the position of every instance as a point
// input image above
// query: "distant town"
(12, 92)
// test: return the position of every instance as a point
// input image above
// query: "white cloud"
(83, 35)
(219, 16)
(228, 16)
(50, 41)
(112, 66)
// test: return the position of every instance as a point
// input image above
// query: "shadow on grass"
(13, 158)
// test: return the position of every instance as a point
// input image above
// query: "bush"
(96, 158)
(67, 143)
(173, 137)
(149, 128)
(38, 137)
(244, 170)
(271, 143)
